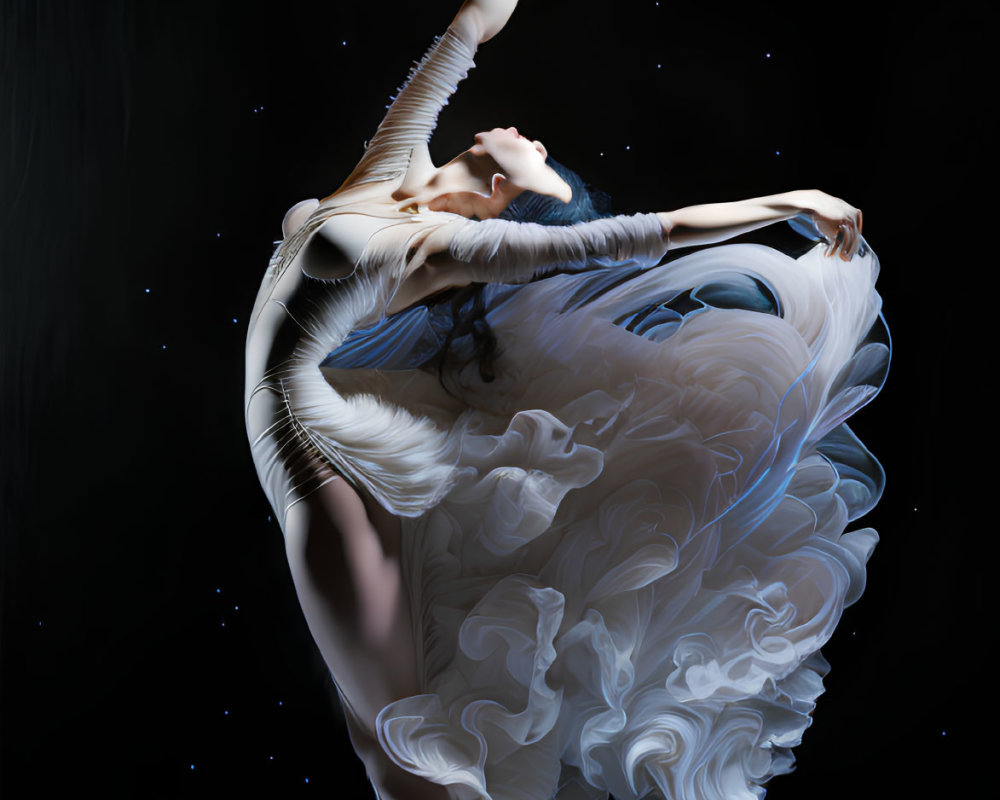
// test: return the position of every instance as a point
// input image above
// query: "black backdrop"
(151, 640)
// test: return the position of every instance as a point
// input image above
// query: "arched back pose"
(611, 568)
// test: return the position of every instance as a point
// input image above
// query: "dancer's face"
(483, 180)
(522, 161)
(507, 144)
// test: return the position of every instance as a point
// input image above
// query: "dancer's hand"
(839, 222)
(486, 16)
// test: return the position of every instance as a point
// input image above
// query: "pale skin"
(343, 548)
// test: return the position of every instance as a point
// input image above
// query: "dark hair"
(468, 307)
(586, 204)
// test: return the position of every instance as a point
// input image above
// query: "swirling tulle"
(628, 584)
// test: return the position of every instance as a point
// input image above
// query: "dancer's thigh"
(346, 573)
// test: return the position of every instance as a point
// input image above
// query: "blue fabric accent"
(411, 338)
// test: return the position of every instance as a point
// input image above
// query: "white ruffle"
(627, 585)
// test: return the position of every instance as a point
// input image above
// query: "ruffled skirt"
(628, 585)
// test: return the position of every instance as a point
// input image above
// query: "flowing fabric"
(627, 587)
(624, 554)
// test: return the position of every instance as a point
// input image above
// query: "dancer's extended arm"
(716, 222)
(500, 251)
(495, 250)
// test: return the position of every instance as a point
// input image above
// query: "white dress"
(624, 554)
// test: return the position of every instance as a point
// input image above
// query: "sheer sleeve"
(511, 252)
(413, 115)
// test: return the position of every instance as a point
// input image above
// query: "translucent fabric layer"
(627, 585)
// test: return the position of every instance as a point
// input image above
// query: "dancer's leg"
(347, 577)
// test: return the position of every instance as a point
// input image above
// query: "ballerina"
(610, 569)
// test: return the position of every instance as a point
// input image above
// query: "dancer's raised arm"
(485, 18)
(413, 115)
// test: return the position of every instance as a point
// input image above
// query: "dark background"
(151, 641)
